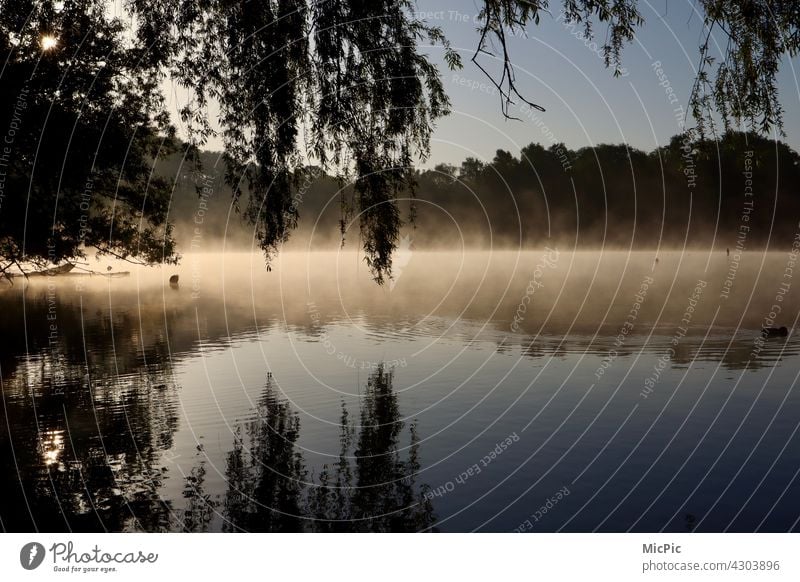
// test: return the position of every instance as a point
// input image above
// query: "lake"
(540, 391)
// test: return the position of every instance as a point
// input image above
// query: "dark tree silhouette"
(685, 192)
(341, 82)
(82, 117)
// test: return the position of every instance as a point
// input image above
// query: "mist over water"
(634, 388)
(567, 292)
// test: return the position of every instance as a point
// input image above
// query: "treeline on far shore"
(739, 190)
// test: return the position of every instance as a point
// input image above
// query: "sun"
(48, 42)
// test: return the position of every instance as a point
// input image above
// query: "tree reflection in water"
(83, 449)
(87, 414)
(371, 487)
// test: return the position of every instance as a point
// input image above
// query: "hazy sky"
(585, 104)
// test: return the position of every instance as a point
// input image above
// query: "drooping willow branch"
(501, 18)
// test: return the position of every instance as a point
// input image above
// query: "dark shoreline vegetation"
(740, 189)
(350, 85)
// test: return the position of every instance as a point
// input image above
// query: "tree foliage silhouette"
(343, 83)
(82, 117)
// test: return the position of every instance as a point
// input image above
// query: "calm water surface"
(537, 391)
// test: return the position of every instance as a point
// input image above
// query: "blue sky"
(585, 104)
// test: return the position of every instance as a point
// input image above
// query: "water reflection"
(89, 406)
(139, 408)
(81, 453)
(92, 412)
(372, 487)
(201, 506)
